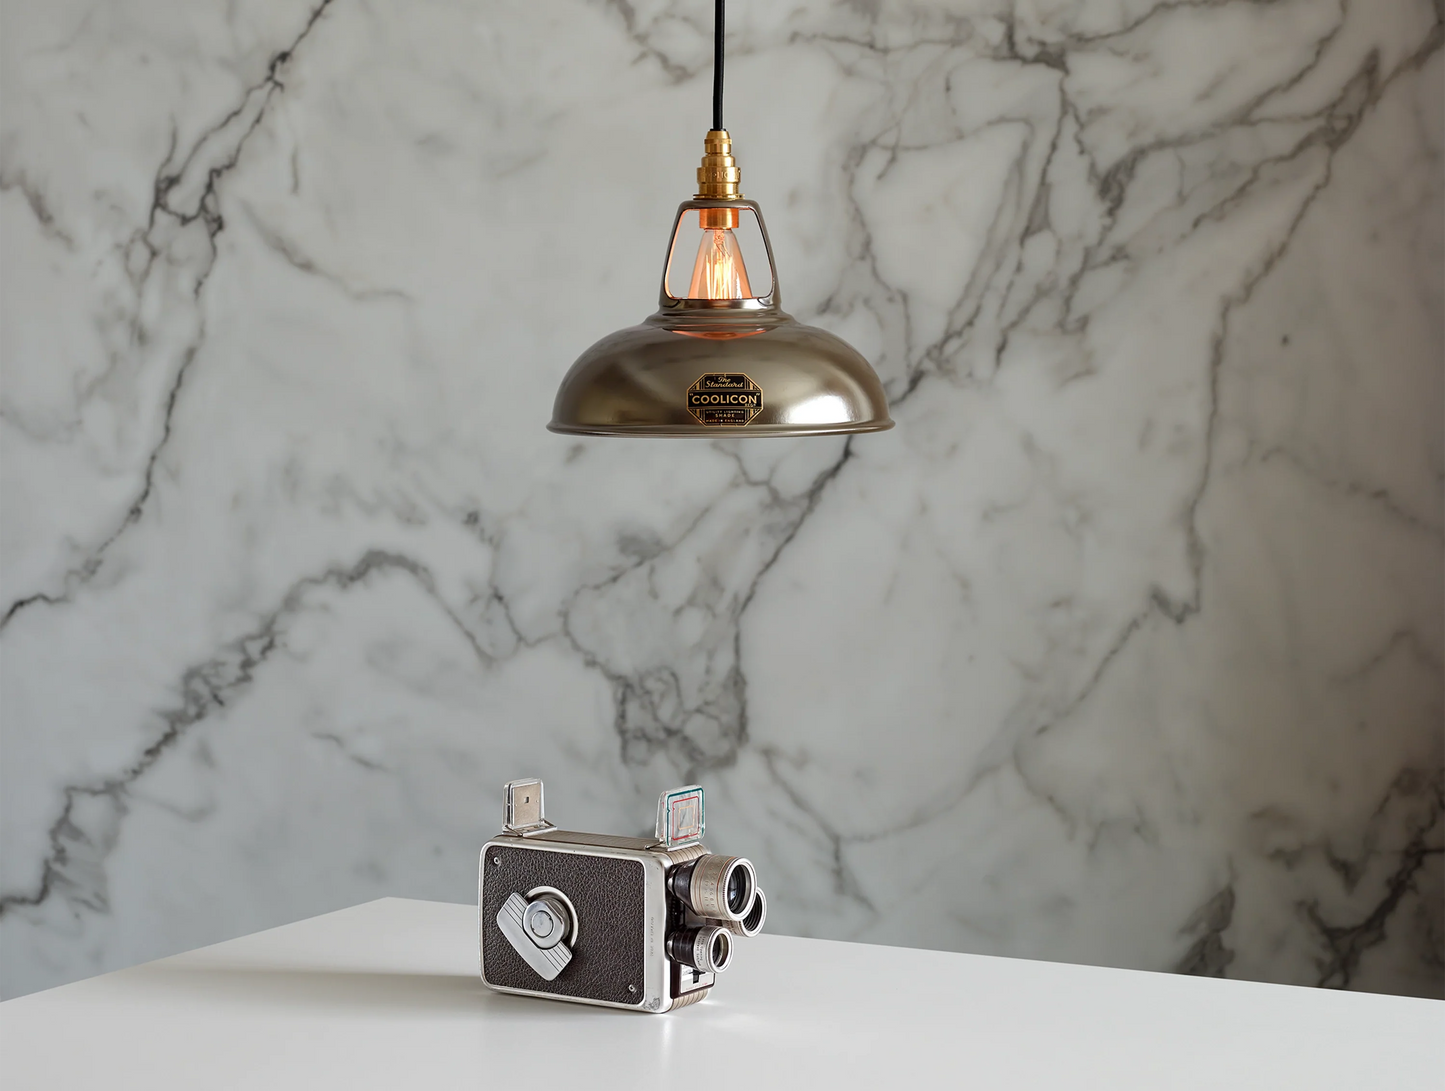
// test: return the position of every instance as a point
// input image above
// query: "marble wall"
(1125, 646)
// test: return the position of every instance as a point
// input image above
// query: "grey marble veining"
(1125, 646)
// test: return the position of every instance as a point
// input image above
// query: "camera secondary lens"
(709, 949)
(752, 922)
(720, 887)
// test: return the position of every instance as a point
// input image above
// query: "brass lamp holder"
(718, 178)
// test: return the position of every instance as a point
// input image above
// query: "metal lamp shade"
(717, 367)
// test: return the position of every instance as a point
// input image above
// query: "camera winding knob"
(545, 921)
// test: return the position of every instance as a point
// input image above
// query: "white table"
(387, 995)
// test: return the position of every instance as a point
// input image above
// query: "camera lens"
(752, 922)
(720, 950)
(709, 949)
(720, 887)
(737, 891)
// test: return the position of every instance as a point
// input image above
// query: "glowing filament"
(718, 272)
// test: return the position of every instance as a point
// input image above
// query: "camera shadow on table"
(324, 988)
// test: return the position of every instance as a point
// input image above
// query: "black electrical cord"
(717, 64)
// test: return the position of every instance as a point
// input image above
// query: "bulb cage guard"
(679, 261)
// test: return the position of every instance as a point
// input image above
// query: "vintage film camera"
(627, 922)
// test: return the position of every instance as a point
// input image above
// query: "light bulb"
(718, 272)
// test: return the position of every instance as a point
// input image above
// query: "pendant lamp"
(720, 357)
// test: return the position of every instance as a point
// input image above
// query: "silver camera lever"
(535, 930)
